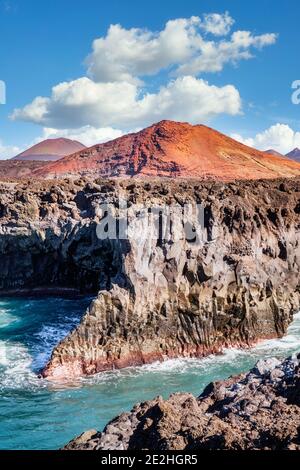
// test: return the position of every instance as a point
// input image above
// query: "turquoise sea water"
(35, 414)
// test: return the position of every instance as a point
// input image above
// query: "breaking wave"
(36, 414)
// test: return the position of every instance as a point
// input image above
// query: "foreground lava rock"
(257, 410)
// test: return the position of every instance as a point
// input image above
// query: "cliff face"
(171, 299)
(156, 298)
(257, 410)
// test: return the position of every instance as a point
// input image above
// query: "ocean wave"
(15, 367)
(19, 363)
(6, 317)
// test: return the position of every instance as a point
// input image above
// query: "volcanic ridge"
(172, 149)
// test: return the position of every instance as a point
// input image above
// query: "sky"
(94, 70)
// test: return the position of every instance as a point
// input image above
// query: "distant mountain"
(294, 154)
(172, 149)
(274, 152)
(51, 150)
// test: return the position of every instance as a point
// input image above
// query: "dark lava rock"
(257, 410)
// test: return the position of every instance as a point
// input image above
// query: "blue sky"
(44, 44)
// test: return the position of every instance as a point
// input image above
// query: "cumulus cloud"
(213, 56)
(8, 151)
(217, 24)
(279, 137)
(128, 54)
(113, 94)
(87, 135)
(246, 141)
(73, 104)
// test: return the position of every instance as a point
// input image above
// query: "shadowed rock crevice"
(73, 259)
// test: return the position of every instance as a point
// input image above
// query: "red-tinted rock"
(172, 149)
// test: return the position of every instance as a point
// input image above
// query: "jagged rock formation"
(156, 298)
(48, 239)
(170, 299)
(172, 149)
(259, 410)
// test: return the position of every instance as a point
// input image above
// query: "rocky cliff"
(259, 410)
(155, 298)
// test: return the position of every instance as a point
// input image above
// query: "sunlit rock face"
(156, 297)
(162, 298)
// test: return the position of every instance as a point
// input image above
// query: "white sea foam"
(15, 366)
(6, 318)
(3, 354)
(48, 337)
(17, 363)
(20, 361)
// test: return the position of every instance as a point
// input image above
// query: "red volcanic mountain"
(172, 149)
(50, 150)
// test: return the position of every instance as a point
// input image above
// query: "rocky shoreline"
(259, 410)
(155, 299)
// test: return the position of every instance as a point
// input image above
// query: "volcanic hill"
(172, 149)
(274, 152)
(294, 155)
(50, 150)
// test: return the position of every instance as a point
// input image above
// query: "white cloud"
(84, 102)
(279, 137)
(33, 111)
(87, 135)
(80, 102)
(246, 141)
(113, 94)
(217, 24)
(212, 56)
(8, 151)
(128, 54)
